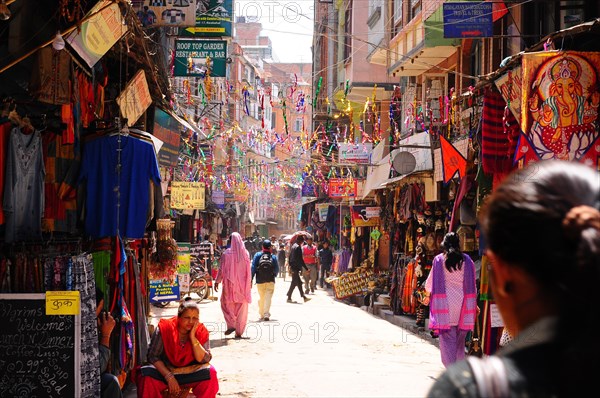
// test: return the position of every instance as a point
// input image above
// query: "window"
(348, 32)
(298, 125)
(571, 13)
(374, 12)
(397, 12)
(415, 8)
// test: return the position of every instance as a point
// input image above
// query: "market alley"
(322, 348)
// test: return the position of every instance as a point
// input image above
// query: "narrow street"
(322, 348)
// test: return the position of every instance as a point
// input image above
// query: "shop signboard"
(322, 209)
(365, 216)
(135, 98)
(169, 12)
(468, 19)
(218, 198)
(355, 153)
(342, 188)
(191, 57)
(213, 18)
(187, 195)
(25, 359)
(99, 33)
(183, 266)
(161, 291)
(166, 128)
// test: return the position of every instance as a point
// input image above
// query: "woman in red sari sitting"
(179, 357)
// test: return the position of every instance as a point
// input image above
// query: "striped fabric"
(496, 147)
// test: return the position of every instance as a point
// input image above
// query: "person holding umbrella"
(296, 263)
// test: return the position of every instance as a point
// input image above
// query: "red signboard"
(342, 188)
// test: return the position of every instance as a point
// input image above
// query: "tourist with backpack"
(266, 268)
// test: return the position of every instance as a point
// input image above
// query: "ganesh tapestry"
(559, 108)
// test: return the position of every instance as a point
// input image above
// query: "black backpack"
(265, 270)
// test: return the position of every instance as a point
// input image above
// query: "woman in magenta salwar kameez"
(235, 276)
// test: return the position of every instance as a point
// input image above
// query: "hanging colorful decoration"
(246, 99)
(452, 161)
(318, 91)
(208, 79)
(525, 150)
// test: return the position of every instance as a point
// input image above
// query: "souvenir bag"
(474, 345)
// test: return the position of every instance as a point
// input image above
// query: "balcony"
(420, 46)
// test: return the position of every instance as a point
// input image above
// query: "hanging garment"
(98, 171)
(83, 281)
(50, 80)
(496, 144)
(60, 195)
(408, 287)
(5, 129)
(24, 187)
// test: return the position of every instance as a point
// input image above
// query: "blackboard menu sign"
(39, 353)
(200, 252)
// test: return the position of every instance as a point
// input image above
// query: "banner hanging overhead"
(169, 12)
(213, 18)
(191, 57)
(135, 99)
(99, 33)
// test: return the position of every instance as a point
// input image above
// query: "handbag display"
(474, 345)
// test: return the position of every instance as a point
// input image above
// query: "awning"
(308, 199)
(377, 175)
(184, 122)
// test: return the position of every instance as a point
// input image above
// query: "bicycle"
(200, 279)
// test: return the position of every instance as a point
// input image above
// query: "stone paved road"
(323, 348)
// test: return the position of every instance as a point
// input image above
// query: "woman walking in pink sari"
(235, 275)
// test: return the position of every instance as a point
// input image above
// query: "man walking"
(325, 261)
(281, 256)
(296, 264)
(266, 268)
(309, 254)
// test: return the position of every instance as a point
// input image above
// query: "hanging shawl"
(439, 312)
(179, 356)
(235, 267)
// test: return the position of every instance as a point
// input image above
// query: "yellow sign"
(206, 30)
(99, 33)
(135, 99)
(187, 195)
(62, 303)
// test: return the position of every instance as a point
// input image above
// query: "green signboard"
(191, 57)
(213, 19)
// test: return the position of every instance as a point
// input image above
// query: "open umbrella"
(298, 233)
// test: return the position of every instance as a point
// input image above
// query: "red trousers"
(147, 387)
